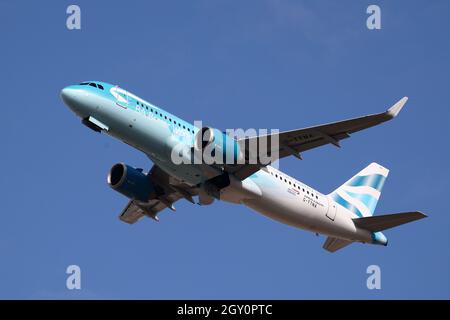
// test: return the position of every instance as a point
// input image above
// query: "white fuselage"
(293, 203)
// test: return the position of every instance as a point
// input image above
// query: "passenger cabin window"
(100, 86)
(93, 85)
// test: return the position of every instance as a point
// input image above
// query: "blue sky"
(232, 64)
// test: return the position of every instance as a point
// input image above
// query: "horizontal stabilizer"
(383, 222)
(334, 244)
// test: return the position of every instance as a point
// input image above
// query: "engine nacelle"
(217, 148)
(131, 182)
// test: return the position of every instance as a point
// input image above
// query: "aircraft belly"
(279, 212)
(186, 173)
(240, 191)
(145, 133)
(277, 204)
(295, 210)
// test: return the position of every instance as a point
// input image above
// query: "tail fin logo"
(375, 181)
(361, 193)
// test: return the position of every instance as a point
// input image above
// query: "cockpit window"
(92, 84)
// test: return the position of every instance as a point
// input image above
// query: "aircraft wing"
(296, 141)
(171, 191)
(334, 244)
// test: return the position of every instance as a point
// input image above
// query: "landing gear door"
(331, 213)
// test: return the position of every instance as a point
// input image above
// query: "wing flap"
(132, 213)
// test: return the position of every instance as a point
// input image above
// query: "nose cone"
(69, 95)
(76, 99)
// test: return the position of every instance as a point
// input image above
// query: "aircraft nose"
(68, 94)
(73, 97)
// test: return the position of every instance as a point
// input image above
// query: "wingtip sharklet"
(393, 111)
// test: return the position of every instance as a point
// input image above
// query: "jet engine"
(131, 182)
(215, 147)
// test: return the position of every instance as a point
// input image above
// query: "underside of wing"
(334, 244)
(387, 221)
(131, 213)
(170, 192)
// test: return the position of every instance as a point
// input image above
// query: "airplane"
(344, 216)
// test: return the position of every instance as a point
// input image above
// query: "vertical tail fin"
(361, 193)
